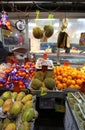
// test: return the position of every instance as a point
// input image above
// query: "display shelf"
(53, 93)
(70, 120)
(48, 93)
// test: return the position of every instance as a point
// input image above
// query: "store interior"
(31, 14)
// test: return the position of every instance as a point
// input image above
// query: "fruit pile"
(43, 81)
(68, 77)
(18, 76)
(17, 111)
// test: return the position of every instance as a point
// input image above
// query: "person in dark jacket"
(3, 53)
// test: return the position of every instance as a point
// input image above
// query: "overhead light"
(32, 24)
(81, 20)
(56, 25)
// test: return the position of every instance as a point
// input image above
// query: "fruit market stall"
(44, 80)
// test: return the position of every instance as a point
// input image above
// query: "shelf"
(48, 93)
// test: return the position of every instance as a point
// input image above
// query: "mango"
(6, 95)
(28, 115)
(14, 95)
(7, 105)
(27, 98)
(11, 126)
(16, 108)
(28, 105)
(20, 96)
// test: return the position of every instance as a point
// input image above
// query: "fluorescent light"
(32, 24)
(81, 20)
(56, 25)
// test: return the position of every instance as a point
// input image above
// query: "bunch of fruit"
(66, 76)
(17, 110)
(18, 75)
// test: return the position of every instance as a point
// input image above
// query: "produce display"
(17, 111)
(68, 77)
(43, 81)
(77, 103)
(18, 76)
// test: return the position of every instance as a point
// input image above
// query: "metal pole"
(58, 49)
(27, 42)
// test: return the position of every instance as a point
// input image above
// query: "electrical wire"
(44, 9)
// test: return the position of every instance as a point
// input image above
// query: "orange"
(73, 82)
(20, 83)
(78, 81)
(64, 80)
(59, 78)
(74, 74)
(72, 86)
(69, 77)
(22, 86)
(64, 85)
(77, 86)
(79, 76)
(57, 82)
(68, 82)
(60, 86)
(83, 77)
(65, 75)
(20, 73)
(23, 73)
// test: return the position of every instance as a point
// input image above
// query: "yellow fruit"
(27, 98)
(7, 105)
(16, 108)
(20, 96)
(11, 126)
